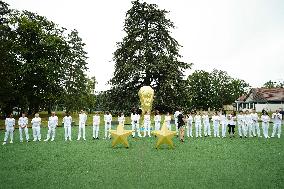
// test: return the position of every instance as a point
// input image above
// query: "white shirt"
(176, 115)
(240, 118)
(67, 121)
(82, 117)
(23, 121)
(205, 119)
(108, 118)
(36, 122)
(135, 117)
(197, 119)
(215, 119)
(231, 120)
(190, 119)
(254, 117)
(277, 117)
(121, 119)
(168, 118)
(10, 122)
(147, 118)
(157, 118)
(265, 118)
(53, 121)
(223, 119)
(248, 119)
(96, 120)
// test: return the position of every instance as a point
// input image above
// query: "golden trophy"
(146, 96)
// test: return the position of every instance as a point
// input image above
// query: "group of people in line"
(247, 122)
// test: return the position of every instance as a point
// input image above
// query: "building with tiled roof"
(262, 98)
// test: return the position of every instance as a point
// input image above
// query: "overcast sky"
(243, 37)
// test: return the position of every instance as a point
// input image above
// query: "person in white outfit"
(248, 124)
(255, 124)
(96, 125)
(241, 123)
(197, 120)
(67, 122)
(189, 121)
(36, 122)
(52, 124)
(9, 124)
(206, 123)
(176, 120)
(224, 123)
(107, 120)
(265, 123)
(168, 119)
(216, 124)
(135, 118)
(23, 126)
(82, 125)
(121, 119)
(147, 124)
(277, 118)
(157, 120)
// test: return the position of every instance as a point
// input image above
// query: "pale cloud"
(243, 37)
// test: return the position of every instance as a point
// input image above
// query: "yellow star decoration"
(165, 136)
(120, 136)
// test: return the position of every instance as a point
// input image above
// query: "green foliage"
(147, 55)
(213, 90)
(273, 84)
(42, 65)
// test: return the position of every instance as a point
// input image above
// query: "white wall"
(269, 107)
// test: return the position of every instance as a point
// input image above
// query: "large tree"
(42, 64)
(147, 55)
(273, 84)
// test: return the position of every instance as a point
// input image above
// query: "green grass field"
(197, 163)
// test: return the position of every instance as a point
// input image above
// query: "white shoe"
(11, 142)
(39, 140)
(34, 140)
(267, 137)
(52, 140)
(65, 139)
(70, 139)
(278, 136)
(21, 141)
(46, 140)
(84, 139)
(78, 139)
(4, 143)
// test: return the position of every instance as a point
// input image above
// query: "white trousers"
(265, 127)
(68, 132)
(251, 128)
(216, 130)
(176, 124)
(245, 130)
(169, 126)
(224, 128)
(198, 129)
(51, 131)
(189, 130)
(240, 129)
(276, 126)
(107, 128)
(26, 130)
(157, 125)
(36, 133)
(256, 128)
(207, 130)
(135, 128)
(82, 130)
(96, 129)
(147, 129)
(9, 131)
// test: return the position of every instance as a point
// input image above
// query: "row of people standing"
(247, 124)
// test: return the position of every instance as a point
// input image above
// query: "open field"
(197, 163)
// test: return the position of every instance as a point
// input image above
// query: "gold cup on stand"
(146, 96)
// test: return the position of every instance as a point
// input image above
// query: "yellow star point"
(120, 136)
(165, 136)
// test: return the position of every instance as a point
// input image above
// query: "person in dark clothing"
(232, 124)
(181, 124)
